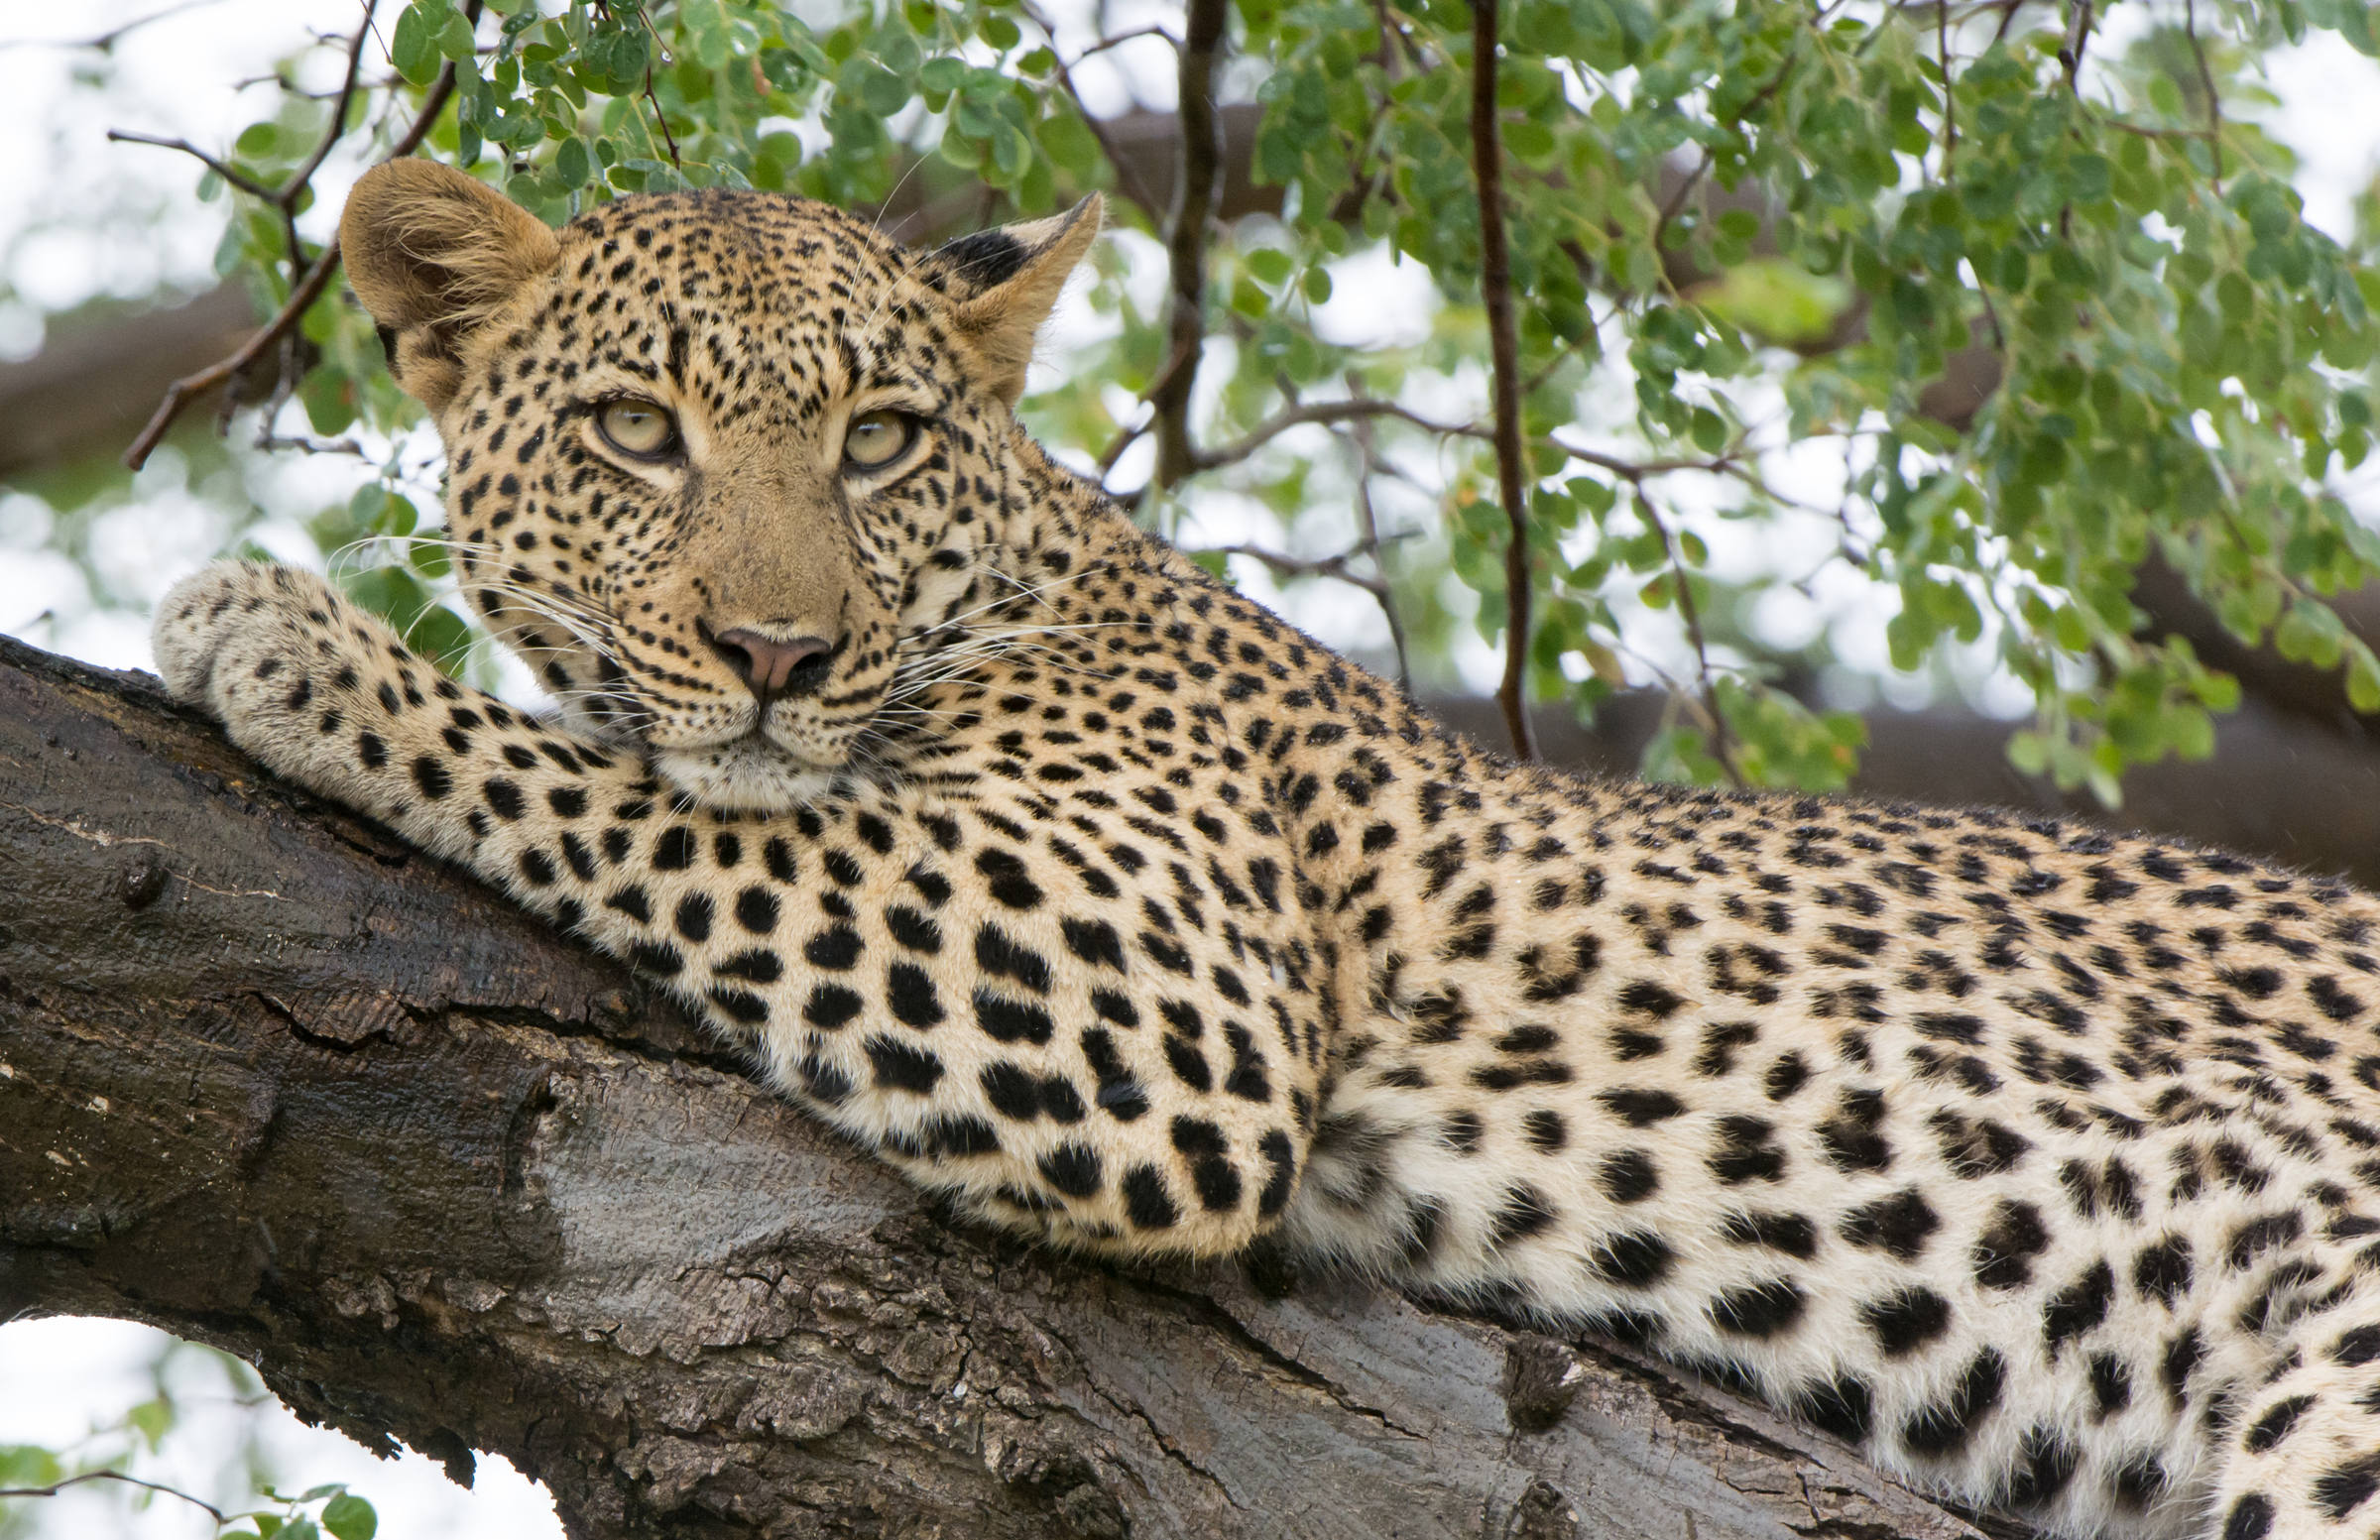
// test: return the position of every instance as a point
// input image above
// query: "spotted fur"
(2037, 1161)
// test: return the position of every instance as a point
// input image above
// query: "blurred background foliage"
(1853, 337)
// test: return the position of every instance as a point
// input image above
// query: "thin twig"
(1323, 411)
(1306, 566)
(1127, 175)
(303, 294)
(52, 1491)
(1949, 104)
(105, 42)
(2077, 37)
(1367, 519)
(1495, 290)
(661, 120)
(230, 174)
(1197, 177)
(2214, 103)
(1723, 746)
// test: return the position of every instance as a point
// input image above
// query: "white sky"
(80, 217)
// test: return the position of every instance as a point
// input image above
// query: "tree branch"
(1199, 147)
(281, 1085)
(1496, 291)
(306, 281)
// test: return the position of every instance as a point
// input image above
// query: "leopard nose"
(772, 670)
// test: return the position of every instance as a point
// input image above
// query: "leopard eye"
(876, 439)
(637, 428)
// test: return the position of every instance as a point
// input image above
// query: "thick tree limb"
(270, 1081)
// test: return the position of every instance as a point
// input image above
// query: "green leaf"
(350, 1517)
(414, 46)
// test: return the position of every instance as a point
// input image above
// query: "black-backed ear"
(1004, 284)
(432, 253)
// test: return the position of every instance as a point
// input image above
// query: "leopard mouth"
(747, 775)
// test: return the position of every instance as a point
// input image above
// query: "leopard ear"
(1005, 283)
(432, 253)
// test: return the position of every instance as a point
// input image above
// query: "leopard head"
(714, 459)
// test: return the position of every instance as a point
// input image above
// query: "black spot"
(1637, 1257)
(2011, 1238)
(1907, 1320)
(1545, 1130)
(742, 1005)
(2274, 1425)
(694, 917)
(657, 957)
(756, 965)
(1628, 1177)
(1897, 1225)
(2182, 1356)
(2139, 1481)
(2077, 1308)
(2250, 1518)
(674, 850)
(1008, 1021)
(903, 1065)
(1189, 1065)
(912, 996)
(2045, 1462)
(1003, 958)
(503, 796)
(1094, 941)
(1217, 1181)
(1146, 1203)
(1943, 1428)
(2344, 1487)
(1788, 1233)
(431, 777)
(1523, 1213)
(1073, 1169)
(1282, 1157)
(1843, 1406)
(2162, 1272)
(1641, 1109)
(2111, 1384)
(831, 1006)
(1760, 1310)
(1745, 1152)
(1006, 880)
(835, 948)
(756, 910)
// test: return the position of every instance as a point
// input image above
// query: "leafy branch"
(308, 279)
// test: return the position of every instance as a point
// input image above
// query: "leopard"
(2034, 1162)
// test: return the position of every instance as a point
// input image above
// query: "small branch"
(1367, 519)
(2077, 37)
(2214, 103)
(336, 129)
(230, 174)
(661, 120)
(1198, 174)
(1308, 566)
(1723, 744)
(1949, 104)
(1360, 410)
(105, 42)
(1127, 172)
(1495, 290)
(52, 1491)
(302, 292)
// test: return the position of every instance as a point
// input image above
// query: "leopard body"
(2034, 1160)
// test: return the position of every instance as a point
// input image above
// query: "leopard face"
(723, 468)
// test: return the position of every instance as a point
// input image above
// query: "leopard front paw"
(247, 641)
(224, 608)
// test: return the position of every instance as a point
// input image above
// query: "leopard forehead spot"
(2041, 1162)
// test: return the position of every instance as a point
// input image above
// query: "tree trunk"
(270, 1081)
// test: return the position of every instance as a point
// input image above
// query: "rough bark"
(270, 1081)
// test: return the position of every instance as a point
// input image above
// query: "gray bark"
(273, 1082)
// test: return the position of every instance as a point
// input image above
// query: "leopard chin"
(748, 776)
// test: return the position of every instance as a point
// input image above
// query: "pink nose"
(773, 670)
